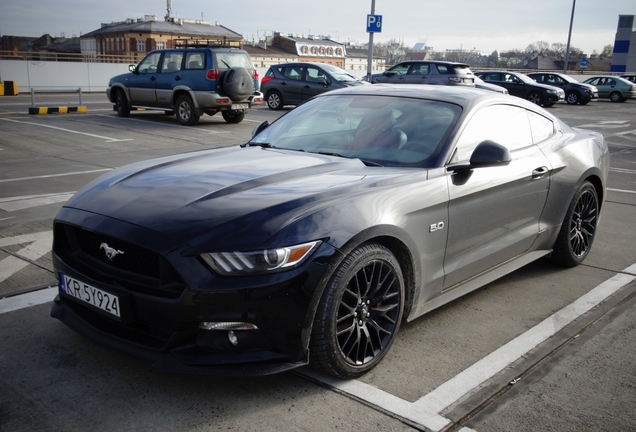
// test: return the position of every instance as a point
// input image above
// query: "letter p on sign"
(374, 23)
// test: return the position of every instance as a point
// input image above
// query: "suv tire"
(186, 111)
(238, 84)
(232, 116)
(121, 104)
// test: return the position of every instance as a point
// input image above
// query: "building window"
(161, 45)
(141, 46)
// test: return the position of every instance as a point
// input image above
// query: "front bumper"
(161, 315)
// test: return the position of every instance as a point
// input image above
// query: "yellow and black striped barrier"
(57, 110)
(8, 88)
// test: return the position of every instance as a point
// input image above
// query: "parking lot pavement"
(469, 365)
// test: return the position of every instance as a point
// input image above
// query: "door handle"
(539, 172)
(152, 78)
(177, 78)
(283, 83)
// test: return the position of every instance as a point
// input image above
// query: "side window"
(171, 62)
(194, 60)
(400, 69)
(504, 124)
(541, 127)
(419, 69)
(149, 63)
(492, 77)
(315, 75)
(293, 72)
(443, 69)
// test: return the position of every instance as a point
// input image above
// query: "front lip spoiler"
(166, 361)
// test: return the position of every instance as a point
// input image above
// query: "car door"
(169, 77)
(316, 81)
(515, 86)
(397, 74)
(291, 86)
(142, 83)
(494, 212)
(418, 73)
(601, 84)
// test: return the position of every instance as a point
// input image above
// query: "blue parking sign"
(374, 23)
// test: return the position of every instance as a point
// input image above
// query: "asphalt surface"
(541, 349)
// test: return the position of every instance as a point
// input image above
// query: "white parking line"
(55, 175)
(24, 202)
(107, 139)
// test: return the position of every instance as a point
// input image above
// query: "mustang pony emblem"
(110, 252)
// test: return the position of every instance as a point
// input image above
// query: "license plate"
(89, 294)
(240, 106)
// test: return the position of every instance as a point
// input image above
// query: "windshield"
(526, 79)
(339, 74)
(226, 60)
(379, 130)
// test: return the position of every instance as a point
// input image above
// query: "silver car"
(427, 72)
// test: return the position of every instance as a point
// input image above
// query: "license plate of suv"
(89, 294)
(239, 106)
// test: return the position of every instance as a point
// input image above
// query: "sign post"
(374, 25)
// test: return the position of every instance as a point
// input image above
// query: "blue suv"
(189, 82)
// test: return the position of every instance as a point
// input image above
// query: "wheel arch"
(118, 87)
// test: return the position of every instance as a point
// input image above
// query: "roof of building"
(167, 27)
(269, 51)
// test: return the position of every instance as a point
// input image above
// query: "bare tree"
(607, 51)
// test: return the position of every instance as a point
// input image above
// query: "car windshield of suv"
(568, 79)
(226, 60)
(379, 130)
(526, 79)
(339, 74)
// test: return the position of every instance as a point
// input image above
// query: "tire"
(616, 97)
(359, 313)
(186, 112)
(238, 83)
(233, 116)
(535, 97)
(274, 100)
(572, 98)
(578, 229)
(121, 104)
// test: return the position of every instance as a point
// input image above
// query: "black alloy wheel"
(535, 97)
(578, 229)
(359, 314)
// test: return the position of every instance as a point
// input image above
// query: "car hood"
(218, 193)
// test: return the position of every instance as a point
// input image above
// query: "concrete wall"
(49, 75)
(90, 77)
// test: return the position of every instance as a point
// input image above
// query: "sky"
(484, 25)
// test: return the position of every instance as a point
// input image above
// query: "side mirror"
(260, 128)
(489, 154)
(324, 81)
(132, 68)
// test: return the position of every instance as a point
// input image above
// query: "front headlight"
(263, 261)
(553, 91)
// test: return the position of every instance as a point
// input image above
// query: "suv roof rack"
(205, 43)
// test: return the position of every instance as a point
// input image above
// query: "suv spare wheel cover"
(238, 83)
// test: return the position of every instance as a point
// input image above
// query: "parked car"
(520, 85)
(575, 91)
(314, 240)
(630, 77)
(427, 72)
(481, 84)
(615, 88)
(189, 82)
(295, 83)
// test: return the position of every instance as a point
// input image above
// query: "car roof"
(463, 96)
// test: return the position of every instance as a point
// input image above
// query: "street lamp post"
(567, 48)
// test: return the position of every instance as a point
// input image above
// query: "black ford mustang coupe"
(315, 239)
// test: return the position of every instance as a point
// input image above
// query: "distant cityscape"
(128, 41)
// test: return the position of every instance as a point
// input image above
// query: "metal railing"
(34, 91)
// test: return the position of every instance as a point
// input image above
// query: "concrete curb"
(57, 110)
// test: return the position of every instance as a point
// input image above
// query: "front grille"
(134, 258)
(136, 269)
